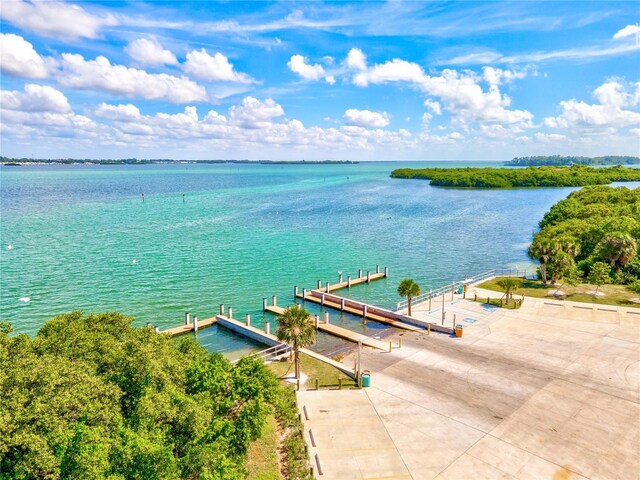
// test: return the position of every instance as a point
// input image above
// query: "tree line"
(592, 234)
(560, 160)
(574, 176)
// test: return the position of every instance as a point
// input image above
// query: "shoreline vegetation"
(135, 161)
(560, 160)
(574, 176)
(94, 397)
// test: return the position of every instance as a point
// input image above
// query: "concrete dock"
(370, 312)
(340, 331)
(182, 329)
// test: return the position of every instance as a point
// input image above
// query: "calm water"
(82, 238)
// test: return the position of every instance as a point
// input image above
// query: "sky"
(395, 80)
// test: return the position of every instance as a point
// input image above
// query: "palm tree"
(541, 249)
(618, 248)
(296, 329)
(560, 261)
(408, 288)
(509, 285)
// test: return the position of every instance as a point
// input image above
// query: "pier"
(254, 333)
(326, 326)
(371, 312)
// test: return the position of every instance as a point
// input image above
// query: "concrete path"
(351, 441)
(544, 392)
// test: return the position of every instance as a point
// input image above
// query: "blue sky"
(360, 81)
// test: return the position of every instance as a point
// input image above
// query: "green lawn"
(313, 368)
(614, 294)
(262, 455)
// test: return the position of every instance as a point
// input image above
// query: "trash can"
(460, 290)
(366, 379)
(458, 331)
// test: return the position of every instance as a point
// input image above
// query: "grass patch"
(262, 454)
(313, 368)
(497, 302)
(618, 295)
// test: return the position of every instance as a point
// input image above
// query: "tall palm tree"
(408, 288)
(296, 329)
(560, 261)
(569, 245)
(618, 248)
(541, 249)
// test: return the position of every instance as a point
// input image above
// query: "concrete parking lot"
(547, 391)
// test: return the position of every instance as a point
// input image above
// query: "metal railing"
(271, 352)
(468, 281)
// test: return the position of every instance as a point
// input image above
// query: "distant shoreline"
(12, 162)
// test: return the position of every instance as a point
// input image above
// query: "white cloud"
(122, 113)
(459, 93)
(298, 64)
(18, 58)
(395, 70)
(149, 51)
(615, 93)
(366, 118)
(498, 76)
(100, 74)
(253, 113)
(36, 98)
(605, 117)
(214, 68)
(628, 31)
(54, 19)
(356, 59)
(549, 137)
(433, 106)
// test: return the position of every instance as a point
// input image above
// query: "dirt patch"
(597, 294)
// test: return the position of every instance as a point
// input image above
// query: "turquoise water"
(82, 238)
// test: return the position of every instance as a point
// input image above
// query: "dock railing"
(481, 277)
(269, 353)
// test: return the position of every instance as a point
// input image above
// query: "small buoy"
(25, 299)
(10, 246)
(134, 261)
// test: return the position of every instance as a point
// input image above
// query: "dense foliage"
(559, 160)
(93, 397)
(574, 176)
(593, 229)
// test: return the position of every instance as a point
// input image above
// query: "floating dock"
(247, 330)
(338, 331)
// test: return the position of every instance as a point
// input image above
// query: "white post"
(322, 299)
(230, 312)
(386, 271)
(264, 305)
(304, 294)
(364, 310)
(326, 317)
(157, 329)
(222, 309)
(377, 268)
(149, 325)
(368, 277)
(349, 281)
(342, 304)
(195, 324)
(359, 359)
(316, 320)
(267, 328)
(454, 321)
(295, 291)
(340, 278)
(319, 283)
(247, 320)
(443, 308)
(187, 318)
(359, 273)
(328, 287)
(273, 300)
